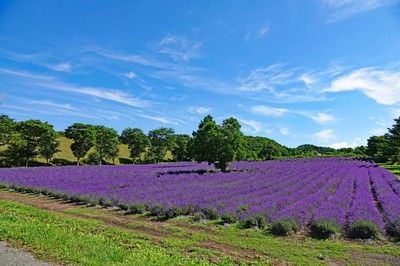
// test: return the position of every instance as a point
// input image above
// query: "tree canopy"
(83, 139)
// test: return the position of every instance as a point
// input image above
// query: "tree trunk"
(27, 162)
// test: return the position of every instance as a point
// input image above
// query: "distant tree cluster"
(21, 143)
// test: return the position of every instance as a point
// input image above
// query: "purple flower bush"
(340, 190)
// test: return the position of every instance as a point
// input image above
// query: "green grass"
(394, 168)
(80, 241)
(88, 241)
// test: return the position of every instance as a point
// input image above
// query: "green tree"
(83, 139)
(205, 142)
(137, 142)
(378, 148)
(49, 145)
(394, 141)
(181, 149)
(7, 128)
(231, 142)
(161, 140)
(269, 151)
(106, 143)
(217, 144)
(16, 150)
(33, 134)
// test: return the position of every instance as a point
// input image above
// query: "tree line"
(219, 144)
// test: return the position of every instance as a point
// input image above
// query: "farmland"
(340, 190)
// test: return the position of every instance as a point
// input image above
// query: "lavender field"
(337, 189)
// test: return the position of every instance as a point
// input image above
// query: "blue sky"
(325, 72)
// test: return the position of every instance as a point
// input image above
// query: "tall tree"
(7, 128)
(106, 143)
(137, 142)
(394, 141)
(161, 139)
(378, 148)
(205, 143)
(217, 144)
(181, 149)
(49, 145)
(33, 134)
(83, 139)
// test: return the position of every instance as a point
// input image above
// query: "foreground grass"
(65, 238)
(394, 168)
(80, 241)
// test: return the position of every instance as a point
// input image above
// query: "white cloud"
(284, 130)
(130, 75)
(263, 31)
(307, 79)
(325, 134)
(179, 48)
(251, 126)
(383, 86)
(343, 9)
(269, 111)
(161, 119)
(265, 78)
(343, 144)
(52, 104)
(321, 118)
(62, 67)
(201, 110)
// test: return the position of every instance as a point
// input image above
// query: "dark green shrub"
(256, 220)
(284, 227)
(156, 210)
(210, 213)
(172, 212)
(363, 230)
(136, 208)
(228, 218)
(393, 228)
(323, 229)
(198, 216)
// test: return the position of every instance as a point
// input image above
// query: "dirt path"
(10, 256)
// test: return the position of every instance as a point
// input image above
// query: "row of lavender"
(337, 189)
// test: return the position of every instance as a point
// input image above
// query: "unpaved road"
(10, 256)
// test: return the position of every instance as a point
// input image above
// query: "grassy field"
(67, 233)
(394, 168)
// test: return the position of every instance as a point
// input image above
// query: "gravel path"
(14, 257)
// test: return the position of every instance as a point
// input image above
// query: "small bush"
(324, 229)
(136, 208)
(228, 218)
(257, 220)
(363, 230)
(210, 213)
(172, 212)
(156, 210)
(284, 227)
(393, 229)
(198, 216)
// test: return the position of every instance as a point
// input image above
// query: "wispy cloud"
(52, 104)
(319, 118)
(61, 67)
(161, 119)
(381, 85)
(343, 144)
(100, 93)
(130, 75)
(251, 126)
(268, 111)
(263, 31)
(201, 110)
(344, 9)
(325, 135)
(179, 48)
